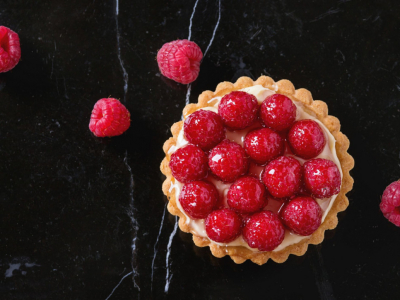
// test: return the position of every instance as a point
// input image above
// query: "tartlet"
(318, 110)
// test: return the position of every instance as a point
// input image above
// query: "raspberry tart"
(257, 170)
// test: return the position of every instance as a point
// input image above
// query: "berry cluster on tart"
(257, 170)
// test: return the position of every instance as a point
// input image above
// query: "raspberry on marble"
(263, 145)
(278, 112)
(238, 109)
(302, 215)
(109, 118)
(390, 203)
(306, 139)
(282, 176)
(198, 199)
(10, 49)
(322, 177)
(188, 164)
(180, 60)
(247, 195)
(264, 231)
(228, 161)
(223, 226)
(204, 129)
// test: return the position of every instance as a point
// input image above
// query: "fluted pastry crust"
(317, 108)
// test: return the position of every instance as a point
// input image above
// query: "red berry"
(264, 231)
(180, 60)
(302, 215)
(390, 204)
(247, 195)
(223, 226)
(204, 129)
(263, 145)
(188, 164)
(278, 112)
(282, 177)
(306, 139)
(238, 109)
(10, 50)
(198, 199)
(228, 161)
(109, 118)
(322, 177)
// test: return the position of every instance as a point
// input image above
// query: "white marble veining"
(167, 263)
(109, 296)
(17, 263)
(155, 245)
(191, 20)
(135, 225)
(121, 62)
(189, 88)
(215, 28)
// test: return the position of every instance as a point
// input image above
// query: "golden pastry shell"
(317, 108)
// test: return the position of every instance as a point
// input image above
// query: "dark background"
(75, 209)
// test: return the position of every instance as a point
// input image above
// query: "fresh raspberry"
(109, 118)
(180, 60)
(306, 139)
(238, 109)
(10, 50)
(198, 199)
(223, 226)
(302, 215)
(247, 195)
(282, 177)
(390, 203)
(278, 112)
(263, 145)
(264, 231)
(204, 128)
(228, 161)
(188, 164)
(322, 177)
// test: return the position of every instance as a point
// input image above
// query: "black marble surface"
(85, 218)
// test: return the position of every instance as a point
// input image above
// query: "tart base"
(317, 108)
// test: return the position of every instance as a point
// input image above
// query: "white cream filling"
(329, 152)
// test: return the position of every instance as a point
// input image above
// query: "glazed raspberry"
(204, 128)
(198, 199)
(238, 109)
(109, 118)
(263, 145)
(282, 177)
(188, 164)
(302, 215)
(228, 161)
(322, 177)
(223, 226)
(278, 112)
(306, 139)
(247, 195)
(264, 231)
(10, 50)
(180, 60)
(390, 204)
